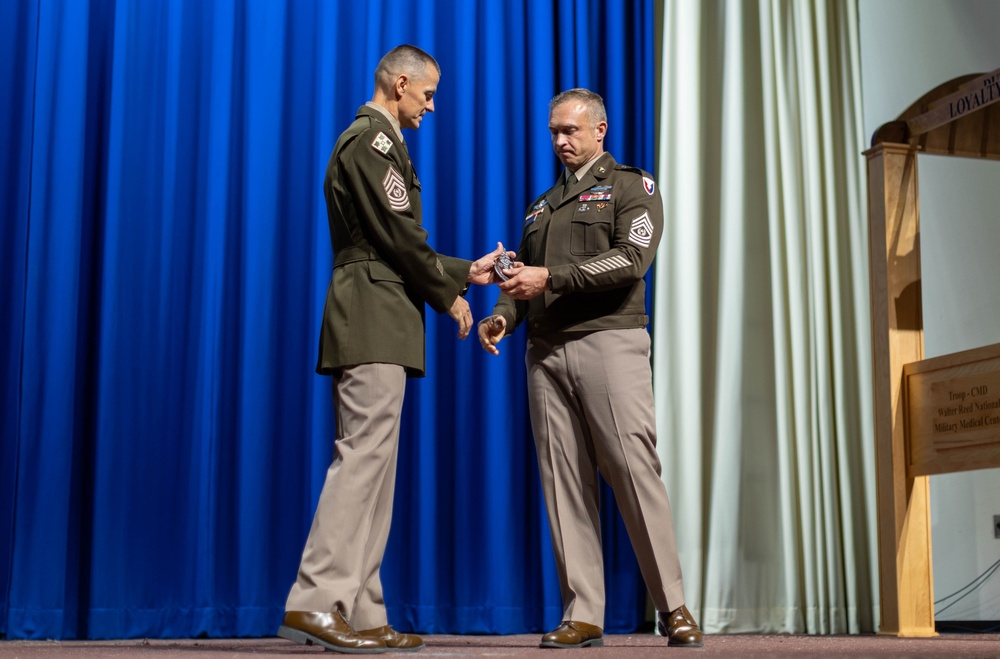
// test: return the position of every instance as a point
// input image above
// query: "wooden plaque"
(953, 412)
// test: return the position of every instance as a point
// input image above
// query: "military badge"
(641, 232)
(648, 184)
(395, 190)
(382, 143)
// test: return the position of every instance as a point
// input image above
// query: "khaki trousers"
(343, 553)
(591, 402)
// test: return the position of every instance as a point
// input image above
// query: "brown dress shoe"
(328, 630)
(394, 640)
(573, 634)
(679, 626)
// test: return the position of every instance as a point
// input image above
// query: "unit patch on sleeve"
(641, 232)
(382, 143)
(648, 184)
(395, 190)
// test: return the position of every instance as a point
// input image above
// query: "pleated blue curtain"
(164, 259)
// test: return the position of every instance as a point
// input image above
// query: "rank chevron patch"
(395, 190)
(641, 232)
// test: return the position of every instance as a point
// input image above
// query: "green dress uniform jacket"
(598, 238)
(590, 393)
(383, 269)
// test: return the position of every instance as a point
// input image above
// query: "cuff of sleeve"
(559, 277)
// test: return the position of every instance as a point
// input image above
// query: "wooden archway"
(960, 118)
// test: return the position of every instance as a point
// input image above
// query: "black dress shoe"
(395, 641)
(679, 626)
(573, 634)
(329, 630)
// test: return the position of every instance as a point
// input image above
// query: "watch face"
(502, 262)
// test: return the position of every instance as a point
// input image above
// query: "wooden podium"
(931, 416)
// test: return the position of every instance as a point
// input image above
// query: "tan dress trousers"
(343, 553)
(591, 403)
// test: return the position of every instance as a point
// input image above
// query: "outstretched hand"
(482, 271)
(491, 332)
(463, 316)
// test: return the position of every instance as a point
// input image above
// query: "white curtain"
(762, 360)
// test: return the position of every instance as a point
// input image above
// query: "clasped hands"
(523, 283)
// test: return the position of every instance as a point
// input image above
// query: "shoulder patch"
(382, 143)
(648, 184)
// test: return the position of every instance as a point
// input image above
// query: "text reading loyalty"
(989, 92)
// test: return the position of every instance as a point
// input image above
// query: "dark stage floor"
(625, 645)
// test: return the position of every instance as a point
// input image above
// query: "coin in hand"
(502, 263)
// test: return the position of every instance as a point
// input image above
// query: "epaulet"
(647, 179)
(629, 168)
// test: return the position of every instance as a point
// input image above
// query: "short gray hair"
(593, 102)
(402, 60)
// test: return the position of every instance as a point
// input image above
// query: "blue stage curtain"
(164, 259)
